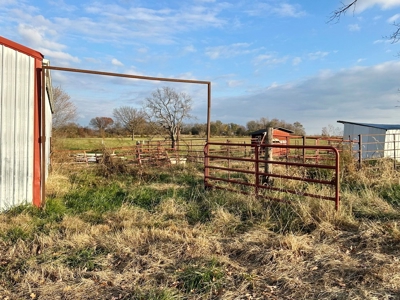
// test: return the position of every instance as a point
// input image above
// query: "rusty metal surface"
(232, 167)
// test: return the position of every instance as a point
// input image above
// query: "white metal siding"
(392, 145)
(16, 127)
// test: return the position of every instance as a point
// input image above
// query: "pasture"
(117, 231)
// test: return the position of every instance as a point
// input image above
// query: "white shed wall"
(392, 145)
(16, 127)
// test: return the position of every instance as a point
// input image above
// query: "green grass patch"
(391, 194)
(16, 233)
(85, 258)
(200, 277)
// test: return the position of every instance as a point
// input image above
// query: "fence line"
(231, 170)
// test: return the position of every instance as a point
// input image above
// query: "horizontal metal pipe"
(126, 75)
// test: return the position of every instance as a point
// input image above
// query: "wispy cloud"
(382, 4)
(280, 9)
(296, 61)
(189, 49)
(269, 59)
(61, 5)
(36, 38)
(317, 55)
(394, 18)
(354, 27)
(228, 51)
(116, 62)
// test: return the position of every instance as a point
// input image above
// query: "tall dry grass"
(157, 234)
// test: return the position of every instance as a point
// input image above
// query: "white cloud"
(317, 55)
(59, 56)
(296, 61)
(228, 50)
(36, 37)
(382, 4)
(363, 94)
(269, 59)
(354, 27)
(142, 50)
(281, 9)
(189, 49)
(116, 62)
(61, 5)
(288, 10)
(394, 18)
(235, 83)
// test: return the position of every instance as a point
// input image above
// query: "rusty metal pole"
(43, 137)
(256, 167)
(337, 183)
(208, 112)
(207, 148)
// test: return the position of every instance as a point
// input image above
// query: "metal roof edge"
(379, 126)
(279, 128)
(21, 48)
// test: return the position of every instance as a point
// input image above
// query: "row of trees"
(163, 113)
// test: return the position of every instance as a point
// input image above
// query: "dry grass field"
(111, 231)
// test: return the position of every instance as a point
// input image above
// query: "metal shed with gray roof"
(376, 140)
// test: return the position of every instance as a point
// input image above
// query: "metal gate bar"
(223, 163)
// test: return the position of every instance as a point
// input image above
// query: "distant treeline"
(217, 128)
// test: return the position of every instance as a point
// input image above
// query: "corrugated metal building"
(25, 125)
(377, 140)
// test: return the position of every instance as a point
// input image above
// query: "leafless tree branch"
(342, 11)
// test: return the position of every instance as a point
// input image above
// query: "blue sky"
(273, 59)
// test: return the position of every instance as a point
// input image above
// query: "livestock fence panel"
(372, 147)
(229, 166)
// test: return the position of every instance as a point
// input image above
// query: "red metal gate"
(245, 168)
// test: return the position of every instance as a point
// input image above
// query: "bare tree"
(332, 131)
(64, 111)
(336, 14)
(131, 118)
(168, 109)
(101, 123)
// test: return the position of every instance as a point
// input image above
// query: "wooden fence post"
(269, 155)
(360, 151)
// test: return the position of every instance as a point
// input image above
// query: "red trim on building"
(37, 171)
(21, 48)
(36, 144)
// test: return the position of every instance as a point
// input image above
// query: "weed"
(84, 259)
(198, 212)
(102, 199)
(201, 277)
(284, 218)
(155, 294)
(16, 233)
(146, 198)
(54, 210)
(391, 194)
